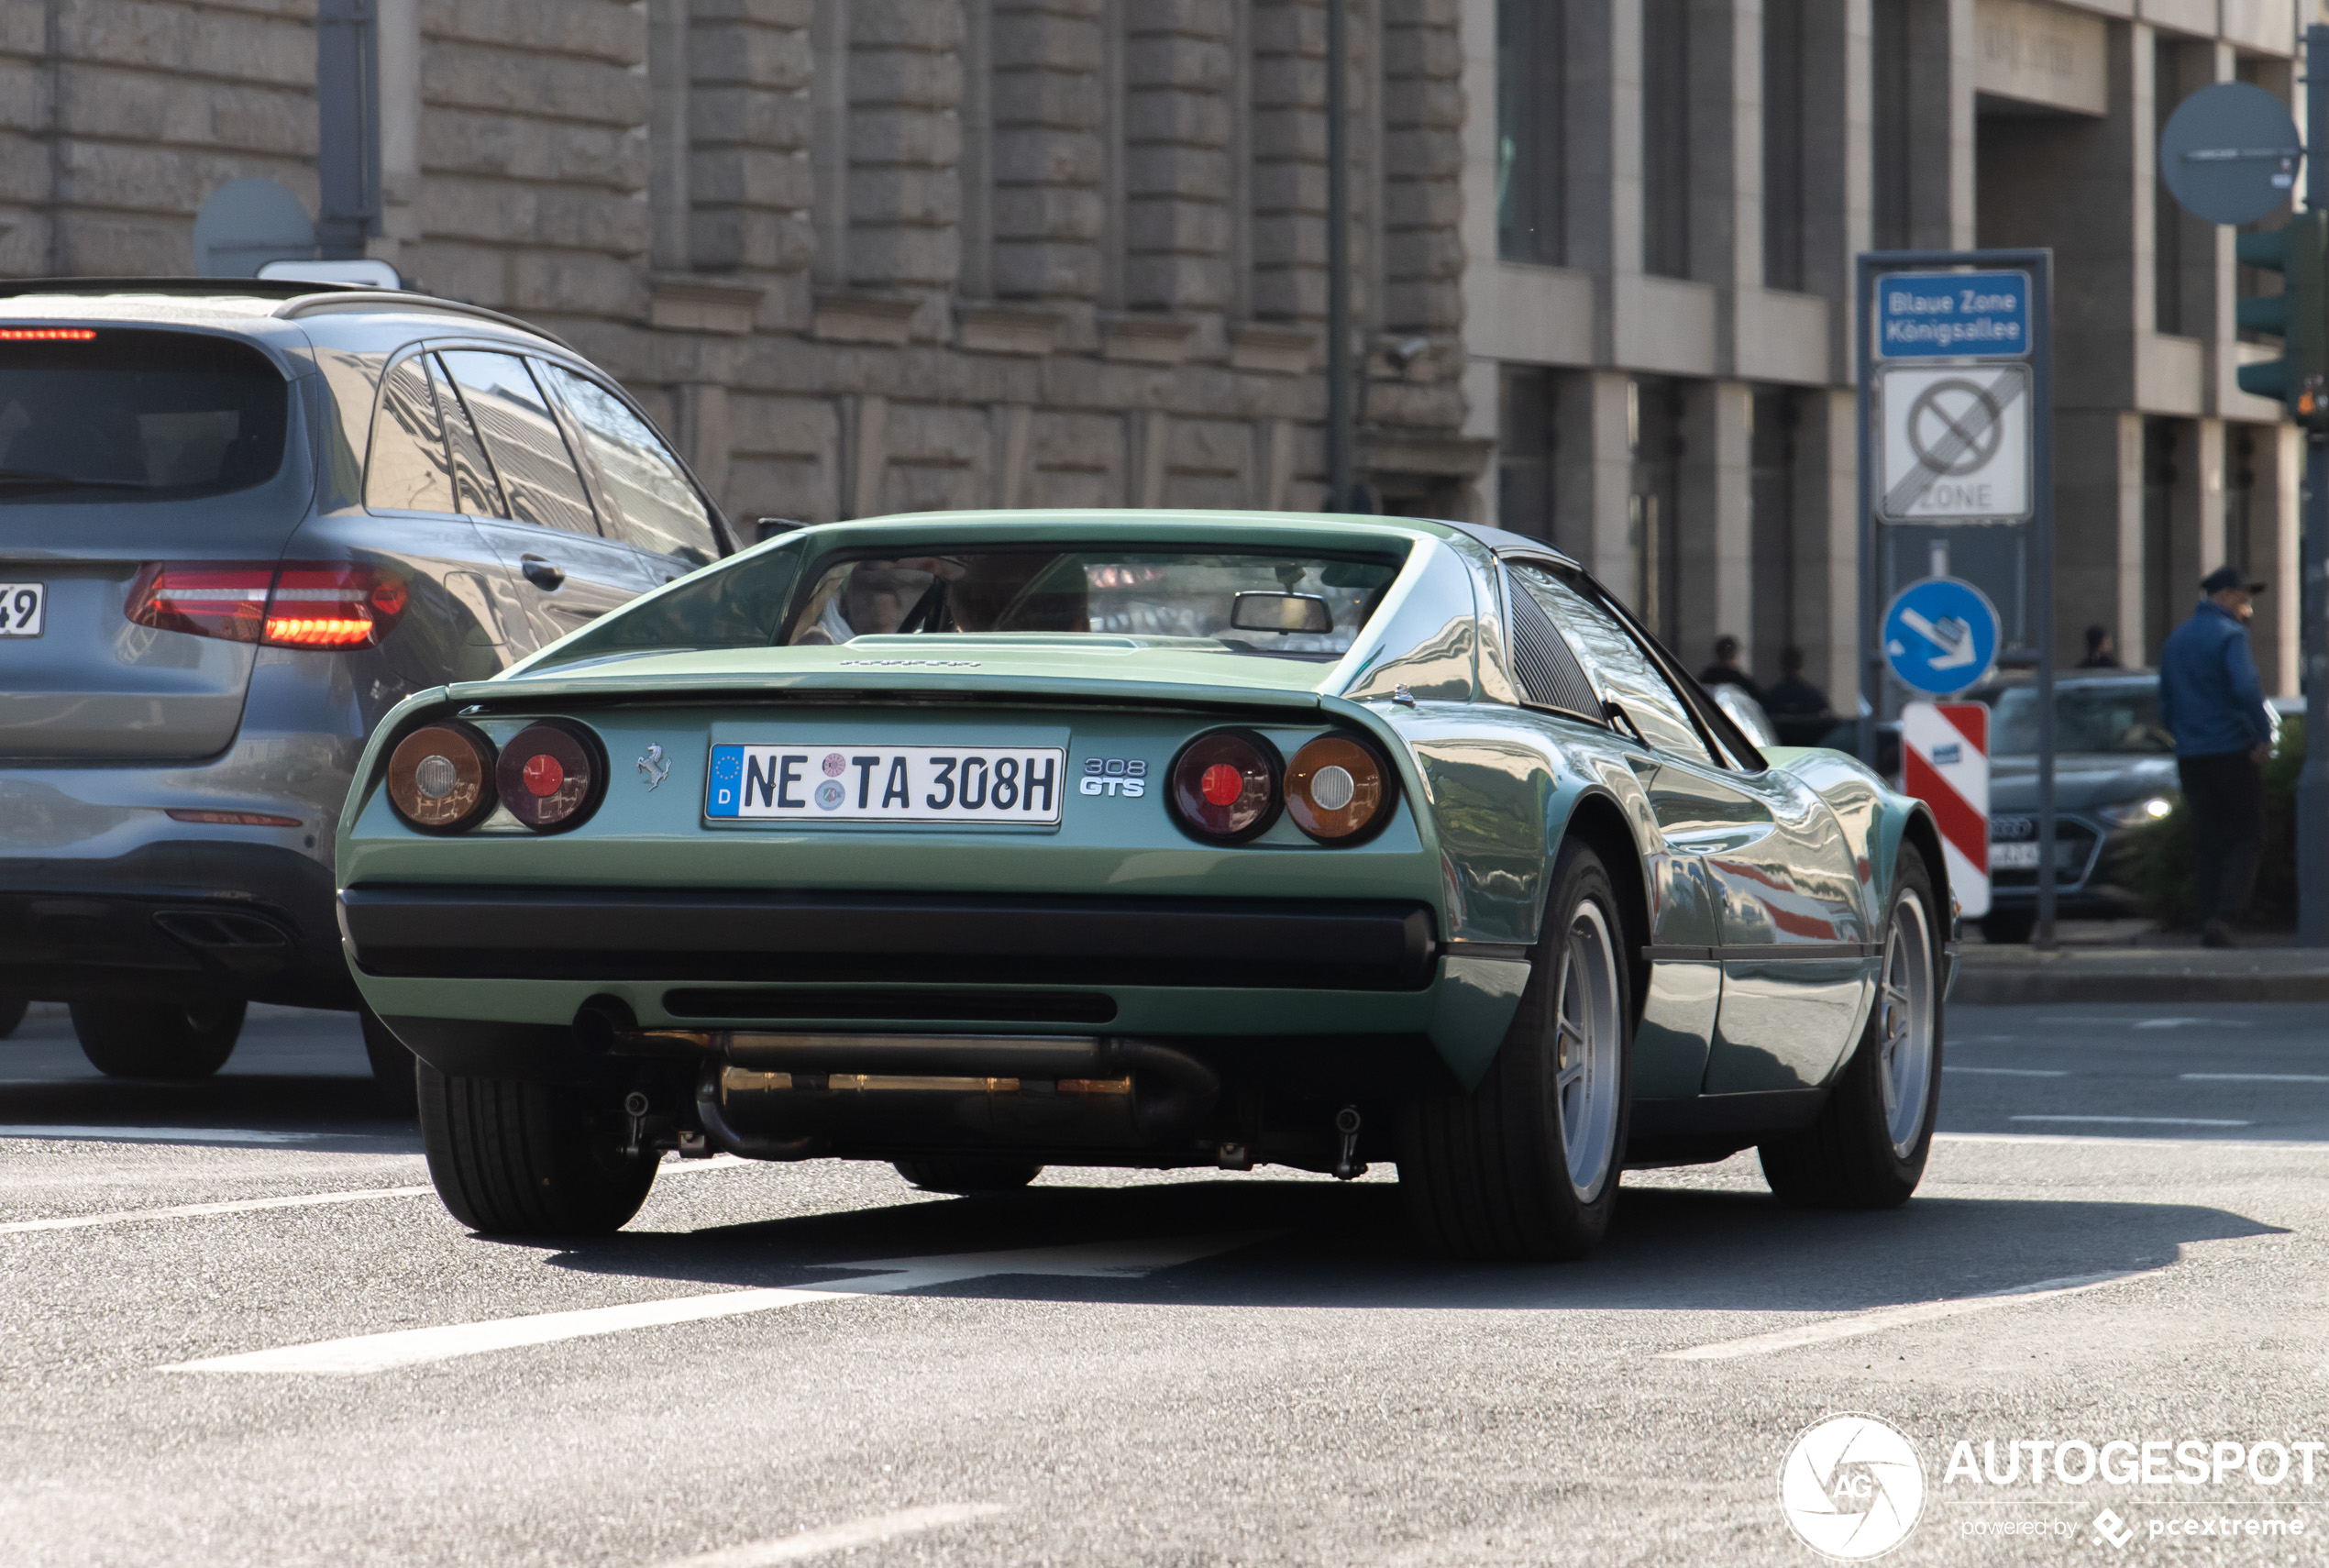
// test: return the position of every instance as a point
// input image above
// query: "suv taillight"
(298, 604)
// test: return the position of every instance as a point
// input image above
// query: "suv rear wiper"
(32, 479)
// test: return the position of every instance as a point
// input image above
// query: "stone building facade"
(858, 254)
(1660, 220)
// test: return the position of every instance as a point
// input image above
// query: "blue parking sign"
(1953, 316)
(1940, 636)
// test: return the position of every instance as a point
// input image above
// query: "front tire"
(1525, 1166)
(157, 1040)
(967, 1175)
(1868, 1147)
(512, 1158)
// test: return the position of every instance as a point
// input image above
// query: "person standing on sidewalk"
(2212, 700)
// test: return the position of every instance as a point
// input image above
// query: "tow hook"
(653, 1134)
(1346, 1121)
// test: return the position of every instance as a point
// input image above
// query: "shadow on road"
(1314, 1245)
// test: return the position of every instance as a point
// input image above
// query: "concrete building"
(858, 255)
(872, 255)
(1659, 218)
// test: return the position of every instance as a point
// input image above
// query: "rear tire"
(393, 1066)
(1526, 1166)
(511, 1158)
(967, 1175)
(157, 1040)
(1868, 1147)
(12, 1011)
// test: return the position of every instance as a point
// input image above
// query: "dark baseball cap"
(2225, 577)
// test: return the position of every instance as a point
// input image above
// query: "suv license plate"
(21, 605)
(848, 782)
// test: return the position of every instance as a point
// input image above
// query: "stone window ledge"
(1146, 340)
(688, 303)
(1007, 328)
(1277, 350)
(866, 318)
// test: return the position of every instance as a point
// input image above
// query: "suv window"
(125, 413)
(1621, 671)
(475, 491)
(656, 507)
(407, 470)
(540, 481)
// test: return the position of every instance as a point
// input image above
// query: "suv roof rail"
(300, 297)
(247, 287)
(312, 301)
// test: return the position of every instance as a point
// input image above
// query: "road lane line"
(187, 1211)
(363, 1353)
(2255, 1078)
(2141, 1120)
(2014, 1072)
(170, 1134)
(1878, 1318)
(839, 1538)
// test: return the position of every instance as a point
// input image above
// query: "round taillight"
(550, 776)
(1337, 788)
(1224, 785)
(440, 777)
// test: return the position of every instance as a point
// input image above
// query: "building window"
(1784, 144)
(2166, 217)
(1665, 138)
(1524, 451)
(1890, 108)
(1530, 146)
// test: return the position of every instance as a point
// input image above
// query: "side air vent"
(1549, 671)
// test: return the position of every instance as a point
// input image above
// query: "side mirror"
(768, 528)
(1280, 612)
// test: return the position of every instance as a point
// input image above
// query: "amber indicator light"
(440, 777)
(1337, 788)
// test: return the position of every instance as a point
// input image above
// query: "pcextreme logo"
(1852, 1487)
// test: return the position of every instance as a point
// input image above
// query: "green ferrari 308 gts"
(980, 841)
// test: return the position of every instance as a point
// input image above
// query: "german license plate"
(21, 606)
(2013, 856)
(844, 781)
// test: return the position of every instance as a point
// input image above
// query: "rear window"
(1260, 602)
(2122, 720)
(130, 415)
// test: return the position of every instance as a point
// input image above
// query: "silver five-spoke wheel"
(1905, 1024)
(1588, 1024)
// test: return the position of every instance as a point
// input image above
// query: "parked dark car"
(239, 521)
(2115, 772)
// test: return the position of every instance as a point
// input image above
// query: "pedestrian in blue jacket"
(2213, 702)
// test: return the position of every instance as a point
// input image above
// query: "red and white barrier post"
(1944, 762)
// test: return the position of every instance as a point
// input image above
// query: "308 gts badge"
(1114, 775)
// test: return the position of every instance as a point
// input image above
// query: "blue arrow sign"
(1953, 316)
(1940, 636)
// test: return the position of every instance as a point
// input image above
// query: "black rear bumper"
(173, 920)
(615, 933)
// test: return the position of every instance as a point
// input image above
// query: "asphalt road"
(816, 1363)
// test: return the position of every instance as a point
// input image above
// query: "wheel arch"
(1917, 830)
(1597, 821)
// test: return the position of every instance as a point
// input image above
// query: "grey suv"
(239, 522)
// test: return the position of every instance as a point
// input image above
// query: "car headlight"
(2131, 813)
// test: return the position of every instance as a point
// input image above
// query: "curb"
(2144, 975)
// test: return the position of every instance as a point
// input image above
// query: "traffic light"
(2298, 315)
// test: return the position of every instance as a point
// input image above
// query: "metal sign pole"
(1340, 471)
(1871, 656)
(2042, 573)
(2313, 605)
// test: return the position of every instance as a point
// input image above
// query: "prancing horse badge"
(654, 767)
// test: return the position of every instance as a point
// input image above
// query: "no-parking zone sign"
(1944, 762)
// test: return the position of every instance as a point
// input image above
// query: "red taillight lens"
(210, 599)
(440, 777)
(1224, 785)
(1337, 788)
(296, 605)
(550, 776)
(333, 606)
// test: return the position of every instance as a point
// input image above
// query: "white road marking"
(298, 1201)
(838, 1538)
(2014, 1072)
(170, 1134)
(1878, 1318)
(2142, 1121)
(412, 1347)
(2189, 1023)
(187, 1211)
(2255, 1078)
